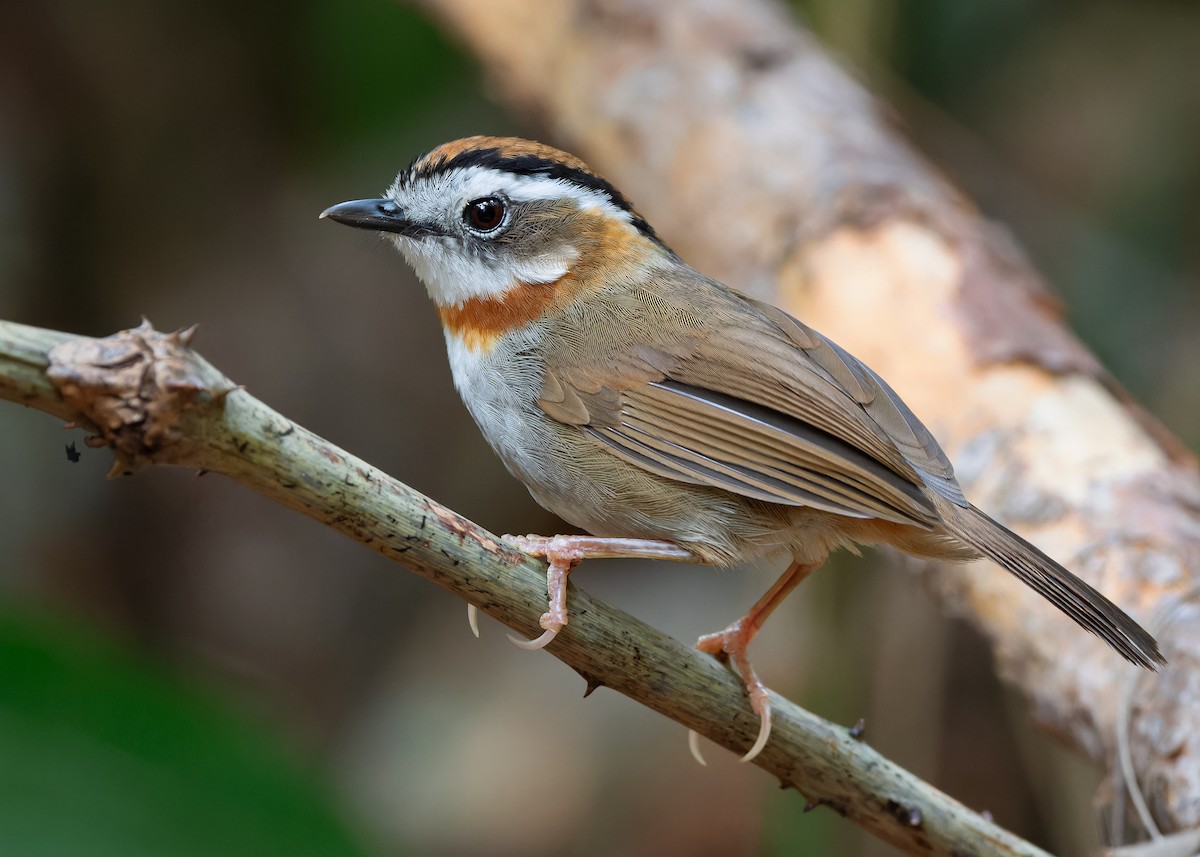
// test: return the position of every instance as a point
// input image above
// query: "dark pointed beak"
(381, 214)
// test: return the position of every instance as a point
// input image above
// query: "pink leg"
(565, 552)
(733, 642)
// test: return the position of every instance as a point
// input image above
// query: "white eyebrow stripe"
(483, 181)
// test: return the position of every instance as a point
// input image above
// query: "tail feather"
(1057, 585)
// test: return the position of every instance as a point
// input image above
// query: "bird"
(666, 414)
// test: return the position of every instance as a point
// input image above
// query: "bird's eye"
(484, 215)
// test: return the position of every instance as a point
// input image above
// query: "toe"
(525, 544)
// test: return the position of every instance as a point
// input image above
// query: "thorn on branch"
(134, 386)
(183, 336)
(221, 394)
(910, 816)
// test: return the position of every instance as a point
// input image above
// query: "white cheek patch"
(453, 277)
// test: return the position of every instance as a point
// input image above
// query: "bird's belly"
(500, 387)
(584, 484)
(549, 458)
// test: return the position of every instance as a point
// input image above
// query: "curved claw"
(694, 748)
(536, 643)
(473, 619)
(764, 732)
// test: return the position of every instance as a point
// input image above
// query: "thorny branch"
(153, 401)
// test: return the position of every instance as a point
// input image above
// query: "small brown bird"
(665, 413)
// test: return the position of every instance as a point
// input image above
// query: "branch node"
(135, 386)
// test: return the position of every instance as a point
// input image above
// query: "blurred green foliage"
(104, 755)
(372, 71)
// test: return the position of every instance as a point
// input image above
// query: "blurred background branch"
(775, 170)
(169, 160)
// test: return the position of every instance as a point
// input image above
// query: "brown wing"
(884, 408)
(746, 399)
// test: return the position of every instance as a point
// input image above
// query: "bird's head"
(502, 230)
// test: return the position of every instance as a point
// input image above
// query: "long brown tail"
(1054, 583)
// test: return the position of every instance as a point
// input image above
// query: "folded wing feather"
(755, 403)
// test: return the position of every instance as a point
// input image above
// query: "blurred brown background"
(186, 668)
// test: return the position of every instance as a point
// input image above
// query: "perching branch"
(153, 400)
(766, 165)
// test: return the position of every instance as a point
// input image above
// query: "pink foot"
(732, 643)
(565, 552)
(561, 556)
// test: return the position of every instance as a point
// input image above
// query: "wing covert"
(749, 400)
